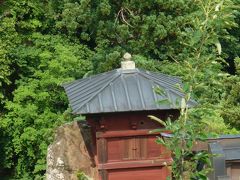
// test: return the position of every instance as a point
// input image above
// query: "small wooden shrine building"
(225, 158)
(116, 105)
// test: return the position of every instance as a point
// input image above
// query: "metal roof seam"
(155, 97)
(158, 81)
(87, 79)
(159, 74)
(113, 97)
(146, 76)
(91, 84)
(99, 91)
(121, 91)
(88, 109)
(100, 102)
(162, 74)
(172, 78)
(172, 104)
(126, 91)
(181, 94)
(90, 89)
(140, 93)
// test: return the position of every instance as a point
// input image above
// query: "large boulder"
(71, 153)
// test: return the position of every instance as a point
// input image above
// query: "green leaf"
(159, 140)
(164, 102)
(159, 90)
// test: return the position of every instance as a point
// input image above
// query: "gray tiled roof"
(122, 90)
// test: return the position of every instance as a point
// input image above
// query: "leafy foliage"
(181, 136)
(39, 101)
(230, 105)
(82, 176)
(46, 43)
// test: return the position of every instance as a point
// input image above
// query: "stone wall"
(70, 153)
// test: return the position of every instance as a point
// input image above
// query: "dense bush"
(46, 43)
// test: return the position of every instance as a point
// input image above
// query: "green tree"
(175, 37)
(45, 43)
(179, 137)
(39, 101)
(230, 106)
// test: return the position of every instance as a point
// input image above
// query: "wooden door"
(134, 148)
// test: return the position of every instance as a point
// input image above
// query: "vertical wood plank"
(143, 147)
(128, 146)
(102, 156)
(103, 174)
(102, 150)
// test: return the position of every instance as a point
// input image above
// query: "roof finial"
(127, 57)
(127, 63)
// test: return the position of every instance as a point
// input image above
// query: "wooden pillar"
(218, 161)
(102, 157)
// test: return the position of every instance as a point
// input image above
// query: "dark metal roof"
(232, 153)
(122, 90)
(229, 136)
(228, 146)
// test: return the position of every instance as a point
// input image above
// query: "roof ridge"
(121, 90)
(159, 73)
(90, 84)
(97, 92)
(77, 81)
(154, 79)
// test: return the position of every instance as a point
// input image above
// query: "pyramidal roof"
(122, 90)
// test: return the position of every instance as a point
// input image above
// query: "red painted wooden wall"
(125, 149)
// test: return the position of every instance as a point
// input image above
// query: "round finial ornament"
(127, 63)
(127, 57)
